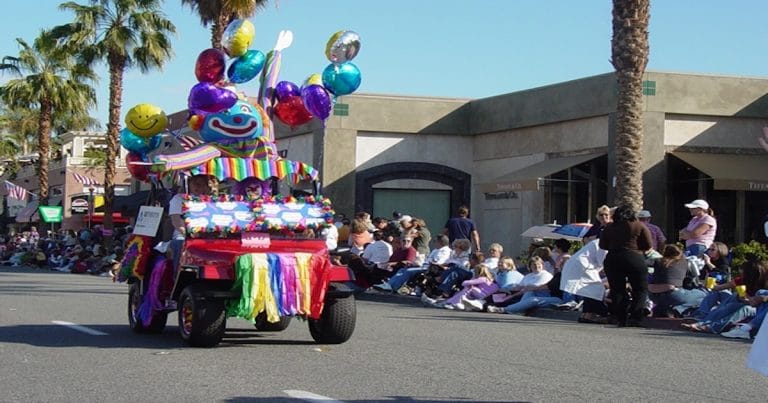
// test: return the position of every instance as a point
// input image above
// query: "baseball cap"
(698, 203)
(644, 214)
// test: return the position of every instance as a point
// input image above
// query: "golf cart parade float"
(250, 253)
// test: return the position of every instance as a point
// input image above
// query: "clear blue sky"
(444, 48)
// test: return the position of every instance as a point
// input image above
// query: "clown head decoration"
(242, 121)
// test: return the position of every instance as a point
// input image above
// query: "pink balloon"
(210, 66)
(210, 98)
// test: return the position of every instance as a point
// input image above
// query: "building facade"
(545, 154)
(64, 190)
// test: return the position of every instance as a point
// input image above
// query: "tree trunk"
(629, 50)
(116, 69)
(43, 148)
(217, 30)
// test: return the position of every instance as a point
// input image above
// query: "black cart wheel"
(337, 322)
(263, 325)
(202, 321)
(135, 298)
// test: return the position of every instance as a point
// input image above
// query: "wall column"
(334, 154)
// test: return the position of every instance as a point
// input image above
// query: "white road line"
(79, 328)
(309, 397)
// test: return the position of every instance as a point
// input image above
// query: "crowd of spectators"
(451, 271)
(66, 251)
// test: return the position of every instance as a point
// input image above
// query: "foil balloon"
(317, 101)
(237, 37)
(137, 144)
(343, 46)
(246, 67)
(285, 90)
(139, 172)
(210, 98)
(210, 64)
(146, 120)
(291, 111)
(313, 79)
(341, 79)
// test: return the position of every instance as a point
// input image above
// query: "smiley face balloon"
(146, 120)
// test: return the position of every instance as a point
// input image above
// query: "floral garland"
(260, 223)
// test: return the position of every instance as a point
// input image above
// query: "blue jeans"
(451, 277)
(695, 249)
(533, 299)
(711, 300)
(762, 310)
(403, 276)
(680, 296)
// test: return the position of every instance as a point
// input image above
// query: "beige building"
(545, 154)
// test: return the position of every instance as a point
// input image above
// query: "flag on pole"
(85, 180)
(188, 142)
(15, 191)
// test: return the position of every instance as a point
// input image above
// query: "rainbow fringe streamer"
(279, 284)
(241, 168)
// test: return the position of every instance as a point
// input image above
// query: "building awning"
(531, 177)
(731, 171)
(28, 213)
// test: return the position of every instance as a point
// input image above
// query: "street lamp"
(90, 204)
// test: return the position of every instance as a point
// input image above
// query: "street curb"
(544, 313)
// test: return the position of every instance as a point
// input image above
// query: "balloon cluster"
(213, 93)
(143, 122)
(297, 105)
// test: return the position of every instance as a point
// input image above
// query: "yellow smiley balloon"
(146, 120)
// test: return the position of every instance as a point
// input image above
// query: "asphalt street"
(65, 338)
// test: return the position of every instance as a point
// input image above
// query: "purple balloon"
(210, 98)
(317, 100)
(284, 90)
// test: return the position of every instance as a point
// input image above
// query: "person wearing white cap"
(700, 231)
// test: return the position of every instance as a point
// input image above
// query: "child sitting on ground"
(478, 287)
(507, 277)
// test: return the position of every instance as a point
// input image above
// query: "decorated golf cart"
(249, 252)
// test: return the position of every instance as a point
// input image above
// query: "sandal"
(696, 327)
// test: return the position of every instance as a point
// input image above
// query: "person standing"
(657, 235)
(700, 231)
(462, 227)
(626, 239)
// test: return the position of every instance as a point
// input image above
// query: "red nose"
(238, 119)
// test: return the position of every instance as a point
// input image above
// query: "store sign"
(79, 205)
(51, 214)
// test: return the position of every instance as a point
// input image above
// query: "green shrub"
(748, 251)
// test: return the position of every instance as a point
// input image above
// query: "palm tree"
(219, 13)
(125, 34)
(19, 129)
(629, 51)
(50, 80)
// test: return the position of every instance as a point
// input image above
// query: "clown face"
(240, 122)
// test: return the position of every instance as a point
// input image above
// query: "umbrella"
(575, 230)
(541, 231)
(571, 232)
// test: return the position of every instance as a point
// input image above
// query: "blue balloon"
(138, 144)
(341, 79)
(246, 67)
